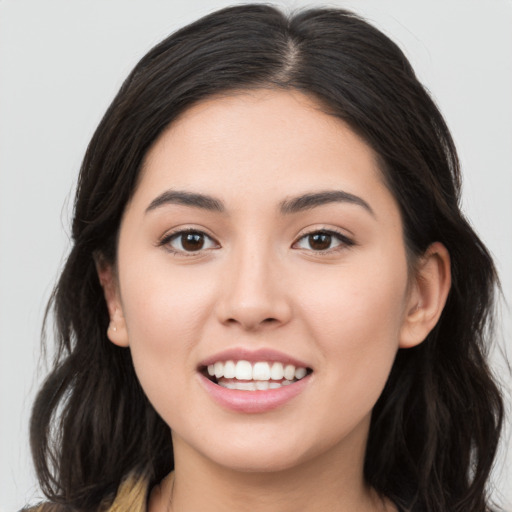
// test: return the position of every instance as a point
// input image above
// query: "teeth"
(289, 372)
(299, 373)
(262, 385)
(229, 370)
(246, 386)
(277, 371)
(252, 385)
(243, 370)
(261, 372)
(219, 370)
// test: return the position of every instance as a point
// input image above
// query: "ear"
(427, 296)
(116, 331)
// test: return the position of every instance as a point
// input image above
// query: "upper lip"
(253, 356)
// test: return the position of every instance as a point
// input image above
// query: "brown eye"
(192, 241)
(320, 241)
(189, 242)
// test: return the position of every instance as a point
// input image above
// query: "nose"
(253, 293)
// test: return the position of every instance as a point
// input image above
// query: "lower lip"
(253, 402)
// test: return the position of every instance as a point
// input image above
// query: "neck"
(330, 482)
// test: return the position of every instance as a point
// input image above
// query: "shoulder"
(131, 495)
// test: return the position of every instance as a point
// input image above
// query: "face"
(262, 245)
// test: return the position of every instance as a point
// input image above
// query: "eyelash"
(344, 241)
(177, 235)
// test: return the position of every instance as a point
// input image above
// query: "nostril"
(253, 325)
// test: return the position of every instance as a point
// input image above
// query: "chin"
(248, 449)
(260, 460)
(258, 449)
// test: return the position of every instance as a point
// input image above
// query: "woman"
(272, 300)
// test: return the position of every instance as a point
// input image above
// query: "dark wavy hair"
(435, 429)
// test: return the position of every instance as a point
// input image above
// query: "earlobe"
(427, 297)
(116, 331)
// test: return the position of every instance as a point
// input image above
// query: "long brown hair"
(435, 429)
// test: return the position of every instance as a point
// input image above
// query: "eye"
(189, 241)
(323, 240)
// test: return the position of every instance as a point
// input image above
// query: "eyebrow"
(195, 200)
(289, 206)
(312, 200)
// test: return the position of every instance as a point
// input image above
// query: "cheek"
(164, 302)
(165, 313)
(349, 304)
(355, 314)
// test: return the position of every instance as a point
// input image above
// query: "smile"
(259, 376)
(253, 381)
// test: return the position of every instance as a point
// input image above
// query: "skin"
(259, 283)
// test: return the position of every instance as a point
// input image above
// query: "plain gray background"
(61, 63)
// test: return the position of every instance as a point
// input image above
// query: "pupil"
(192, 241)
(320, 241)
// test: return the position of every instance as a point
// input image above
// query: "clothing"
(131, 496)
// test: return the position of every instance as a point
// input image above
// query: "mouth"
(244, 375)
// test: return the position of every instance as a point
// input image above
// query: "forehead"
(272, 141)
